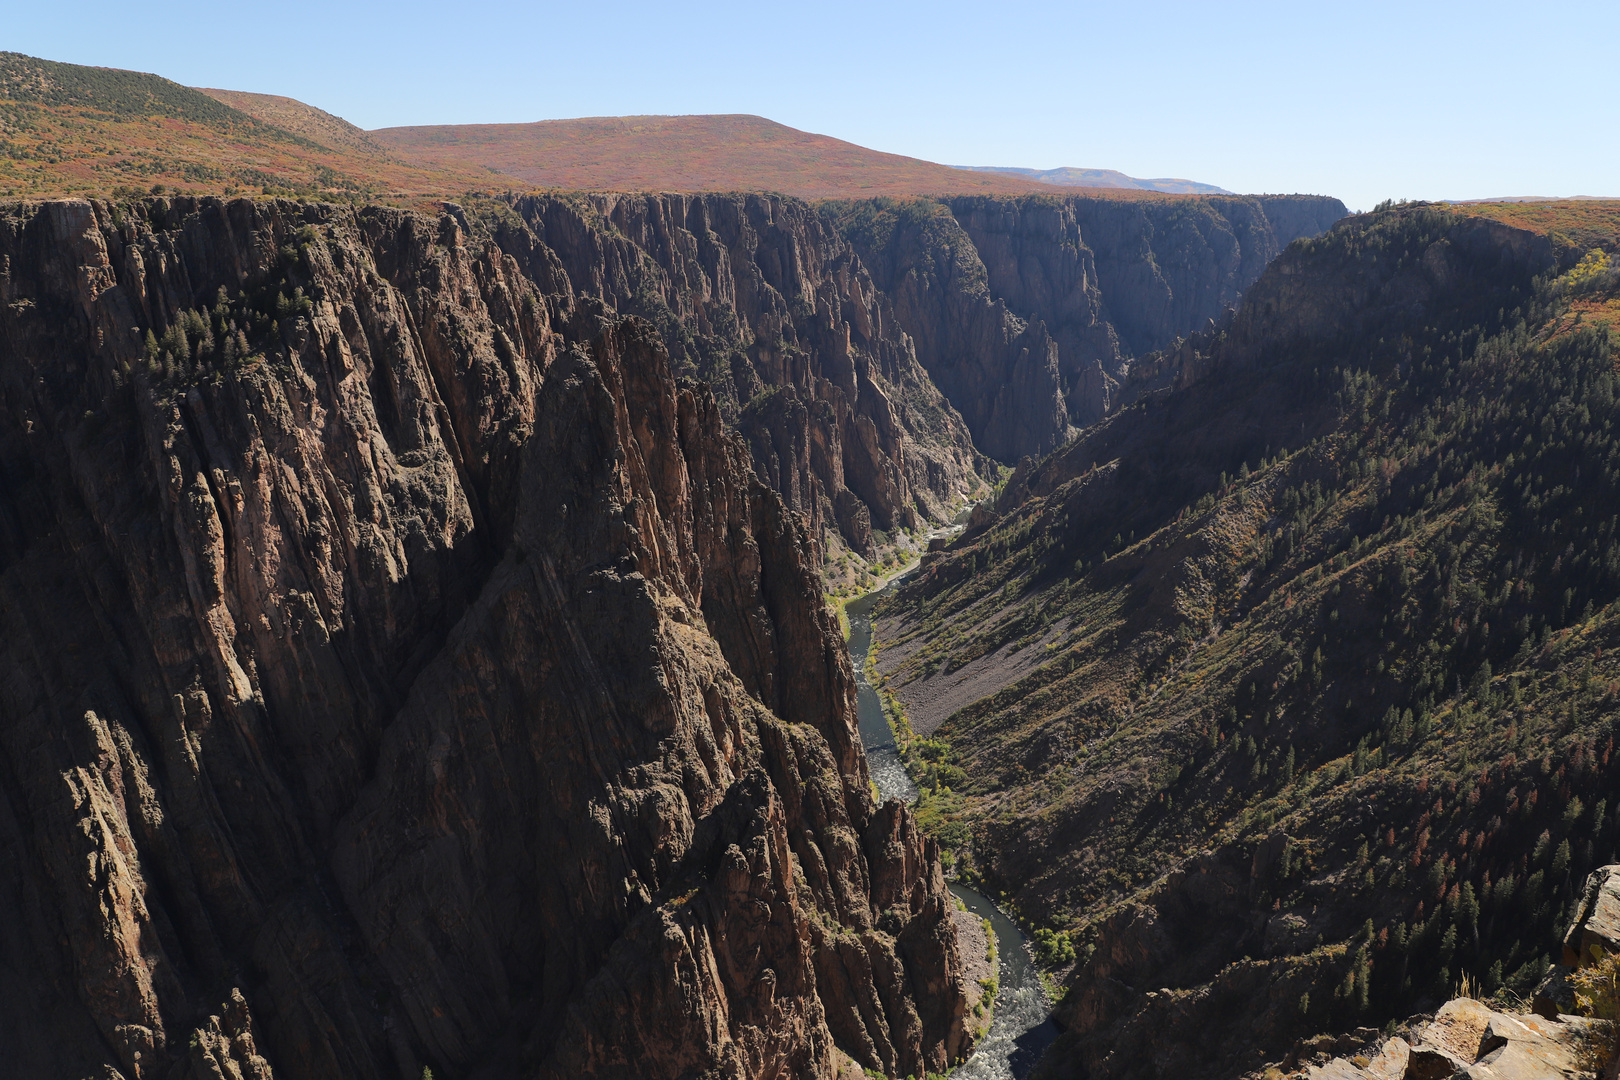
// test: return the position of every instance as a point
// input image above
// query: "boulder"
(1390, 1064)
(1534, 1049)
(1468, 1039)
(1500, 1031)
(1509, 1063)
(1457, 1029)
(1597, 921)
(1553, 996)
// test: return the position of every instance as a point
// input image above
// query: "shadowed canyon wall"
(1028, 311)
(403, 667)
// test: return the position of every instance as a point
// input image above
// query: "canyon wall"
(403, 667)
(763, 300)
(414, 652)
(1029, 311)
(870, 351)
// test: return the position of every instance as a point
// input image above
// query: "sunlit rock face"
(402, 668)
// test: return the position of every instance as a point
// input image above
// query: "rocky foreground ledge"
(1468, 1038)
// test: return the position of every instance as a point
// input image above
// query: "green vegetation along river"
(1022, 1026)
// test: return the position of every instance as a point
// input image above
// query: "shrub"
(1053, 947)
(1597, 994)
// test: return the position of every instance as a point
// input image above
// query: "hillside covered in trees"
(1293, 689)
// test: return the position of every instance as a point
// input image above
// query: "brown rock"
(1553, 996)
(1459, 1029)
(1517, 1062)
(759, 298)
(1391, 1061)
(437, 685)
(1509, 1047)
(1596, 925)
(1475, 1041)
(1027, 310)
(224, 1049)
(1432, 1063)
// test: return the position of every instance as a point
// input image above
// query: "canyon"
(1282, 697)
(873, 354)
(1028, 312)
(334, 535)
(425, 644)
(415, 674)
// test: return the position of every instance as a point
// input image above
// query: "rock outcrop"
(401, 666)
(1470, 1039)
(999, 369)
(1465, 1039)
(1595, 929)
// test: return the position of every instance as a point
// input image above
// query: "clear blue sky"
(1364, 101)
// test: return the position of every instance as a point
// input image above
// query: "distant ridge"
(1577, 224)
(290, 114)
(1103, 178)
(693, 153)
(1532, 198)
(76, 130)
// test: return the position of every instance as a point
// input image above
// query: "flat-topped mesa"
(404, 668)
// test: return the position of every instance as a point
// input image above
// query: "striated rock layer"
(400, 666)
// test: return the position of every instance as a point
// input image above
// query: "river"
(1022, 1027)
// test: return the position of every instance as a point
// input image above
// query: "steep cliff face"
(999, 370)
(1299, 217)
(401, 666)
(759, 297)
(1028, 311)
